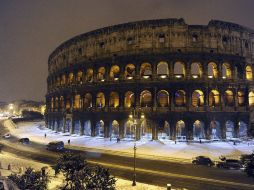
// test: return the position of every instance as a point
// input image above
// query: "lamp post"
(134, 149)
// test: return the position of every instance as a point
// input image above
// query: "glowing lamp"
(210, 76)
(102, 80)
(116, 78)
(178, 76)
(163, 76)
(129, 78)
(224, 77)
(142, 116)
(195, 76)
(146, 76)
(131, 116)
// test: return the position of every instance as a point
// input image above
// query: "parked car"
(230, 164)
(7, 136)
(55, 146)
(202, 160)
(24, 140)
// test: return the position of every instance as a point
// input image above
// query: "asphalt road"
(156, 172)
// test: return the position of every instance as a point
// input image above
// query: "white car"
(7, 135)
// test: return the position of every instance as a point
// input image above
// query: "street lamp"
(134, 149)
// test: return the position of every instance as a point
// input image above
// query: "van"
(55, 146)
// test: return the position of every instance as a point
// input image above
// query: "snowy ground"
(17, 162)
(159, 149)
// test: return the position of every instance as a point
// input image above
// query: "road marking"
(172, 174)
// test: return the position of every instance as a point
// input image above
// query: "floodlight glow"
(178, 76)
(163, 76)
(210, 76)
(194, 76)
(146, 76)
(129, 78)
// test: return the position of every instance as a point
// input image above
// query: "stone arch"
(129, 99)
(197, 98)
(68, 104)
(251, 98)
(179, 69)
(63, 79)
(226, 71)
(198, 130)
(87, 128)
(196, 70)
(229, 98)
(180, 130)
(214, 98)
(146, 98)
(180, 98)
(70, 78)
(114, 100)
(101, 74)
(79, 77)
(89, 75)
(242, 129)
(114, 73)
(215, 130)
(145, 130)
(241, 98)
(99, 129)
(248, 73)
(77, 101)
(164, 130)
(114, 131)
(212, 70)
(162, 69)
(129, 129)
(129, 71)
(230, 129)
(146, 70)
(100, 100)
(163, 98)
(88, 100)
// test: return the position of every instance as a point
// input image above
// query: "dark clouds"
(31, 29)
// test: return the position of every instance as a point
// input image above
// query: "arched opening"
(70, 78)
(229, 98)
(87, 128)
(63, 80)
(214, 98)
(248, 73)
(163, 98)
(179, 69)
(77, 101)
(68, 104)
(164, 131)
(230, 129)
(101, 74)
(89, 75)
(76, 127)
(99, 129)
(100, 100)
(212, 70)
(114, 73)
(239, 73)
(88, 101)
(241, 98)
(129, 72)
(180, 131)
(215, 132)
(146, 98)
(146, 70)
(198, 130)
(226, 71)
(162, 69)
(243, 129)
(79, 77)
(180, 98)
(197, 98)
(62, 102)
(129, 99)
(114, 100)
(129, 130)
(251, 98)
(52, 103)
(196, 70)
(56, 103)
(114, 129)
(145, 130)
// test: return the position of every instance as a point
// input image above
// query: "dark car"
(230, 164)
(24, 140)
(55, 146)
(202, 160)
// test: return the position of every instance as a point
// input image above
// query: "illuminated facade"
(168, 79)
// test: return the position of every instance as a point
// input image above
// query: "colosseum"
(154, 79)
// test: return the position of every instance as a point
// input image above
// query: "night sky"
(31, 29)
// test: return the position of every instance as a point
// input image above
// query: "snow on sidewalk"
(36, 131)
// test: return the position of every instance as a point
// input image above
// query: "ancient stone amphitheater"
(154, 79)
